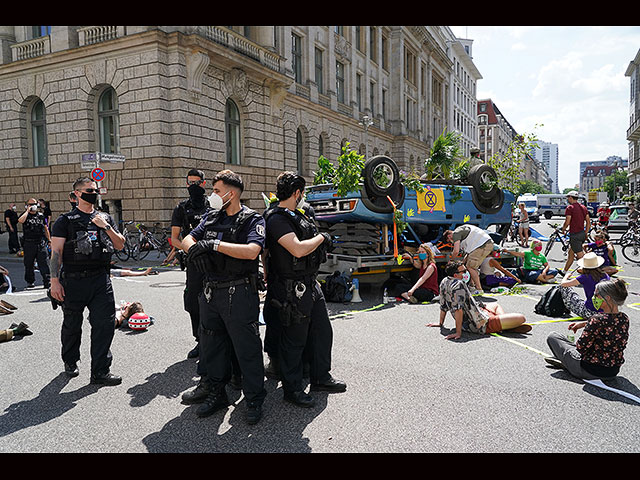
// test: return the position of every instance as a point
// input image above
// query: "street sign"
(110, 157)
(89, 161)
(97, 174)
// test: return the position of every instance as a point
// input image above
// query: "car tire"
(487, 205)
(374, 196)
(479, 176)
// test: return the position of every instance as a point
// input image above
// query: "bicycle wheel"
(552, 240)
(124, 254)
(144, 247)
(632, 252)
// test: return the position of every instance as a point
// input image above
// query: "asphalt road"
(409, 389)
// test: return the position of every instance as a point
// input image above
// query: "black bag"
(551, 304)
(337, 288)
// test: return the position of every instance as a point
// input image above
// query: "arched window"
(232, 127)
(39, 134)
(108, 122)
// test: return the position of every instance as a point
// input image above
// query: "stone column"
(7, 38)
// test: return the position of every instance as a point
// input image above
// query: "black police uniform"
(85, 278)
(230, 306)
(295, 308)
(35, 248)
(187, 215)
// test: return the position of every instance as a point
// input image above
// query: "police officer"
(82, 243)
(36, 240)
(186, 216)
(295, 250)
(226, 246)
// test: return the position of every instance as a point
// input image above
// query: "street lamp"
(366, 123)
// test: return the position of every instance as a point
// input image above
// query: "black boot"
(216, 400)
(198, 394)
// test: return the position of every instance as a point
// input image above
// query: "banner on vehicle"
(430, 200)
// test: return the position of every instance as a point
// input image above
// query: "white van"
(550, 204)
(530, 205)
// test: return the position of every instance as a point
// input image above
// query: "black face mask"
(196, 193)
(92, 198)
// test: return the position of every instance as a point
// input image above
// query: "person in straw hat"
(591, 273)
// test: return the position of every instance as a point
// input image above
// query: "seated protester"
(598, 353)
(426, 287)
(469, 313)
(5, 281)
(493, 274)
(603, 248)
(590, 265)
(535, 267)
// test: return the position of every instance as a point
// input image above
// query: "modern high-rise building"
(547, 154)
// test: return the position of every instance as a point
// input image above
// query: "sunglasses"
(195, 182)
(89, 190)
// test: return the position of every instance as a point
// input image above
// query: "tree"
(529, 186)
(613, 182)
(508, 166)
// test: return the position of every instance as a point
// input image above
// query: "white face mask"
(300, 202)
(216, 201)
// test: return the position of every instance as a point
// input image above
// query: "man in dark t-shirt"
(11, 222)
(578, 223)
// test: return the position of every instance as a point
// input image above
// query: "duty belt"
(84, 273)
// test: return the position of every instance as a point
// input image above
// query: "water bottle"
(385, 296)
(571, 336)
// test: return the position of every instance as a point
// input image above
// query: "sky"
(565, 84)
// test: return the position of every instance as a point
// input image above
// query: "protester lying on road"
(599, 351)
(469, 313)
(129, 310)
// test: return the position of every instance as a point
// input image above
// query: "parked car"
(618, 219)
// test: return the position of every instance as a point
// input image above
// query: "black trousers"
(36, 250)
(193, 287)
(96, 294)
(14, 242)
(299, 343)
(228, 327)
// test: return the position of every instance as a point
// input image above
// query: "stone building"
(255, 99)
(633, 132)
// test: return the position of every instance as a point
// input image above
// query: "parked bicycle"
(631, 249)
(557, 236)
(148, 240)
(628, 236)
(139, 242)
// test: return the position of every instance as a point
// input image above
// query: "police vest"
(191, 215)
(33, 227)
(281, 262)
(231, 267)
(84, 247)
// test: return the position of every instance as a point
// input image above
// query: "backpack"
(337, 288)
(551, 304)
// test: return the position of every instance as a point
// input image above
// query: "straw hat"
(590, 260)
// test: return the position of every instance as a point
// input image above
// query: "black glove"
(198, 248)
(328, 241)
(203, 263)
(54, 303)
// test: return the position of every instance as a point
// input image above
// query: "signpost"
(91, 161)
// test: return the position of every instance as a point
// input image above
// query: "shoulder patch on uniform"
(260, 229)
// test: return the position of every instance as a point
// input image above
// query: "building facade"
(465, 104)
(255, 99)
(594, 173)
(495, 134)
(633, 132)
